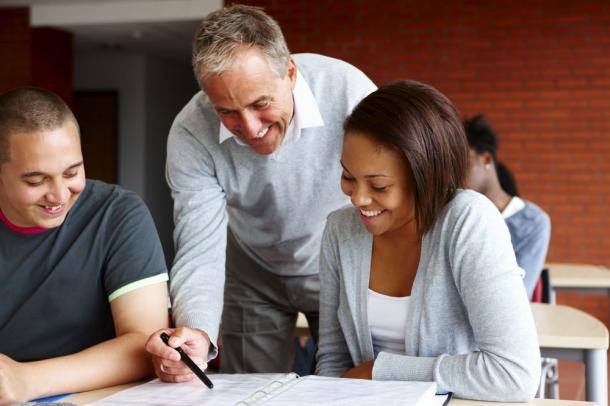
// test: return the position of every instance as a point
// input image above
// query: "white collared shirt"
(513, 207)
(306, 115)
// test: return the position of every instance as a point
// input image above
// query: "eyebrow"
(366, 176)
(31, 174)
(260, 99)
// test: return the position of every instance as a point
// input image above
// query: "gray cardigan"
(469, 326)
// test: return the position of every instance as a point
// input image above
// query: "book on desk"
(278, 389)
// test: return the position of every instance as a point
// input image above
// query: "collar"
(19, 229)
(513, 207)
(306, 115)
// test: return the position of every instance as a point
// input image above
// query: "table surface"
(558, 327)
(578, 275)
(88, 397)
(562, 326)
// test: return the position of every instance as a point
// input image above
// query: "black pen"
(189, 363)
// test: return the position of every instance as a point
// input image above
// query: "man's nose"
(58, 193)
(251, 125)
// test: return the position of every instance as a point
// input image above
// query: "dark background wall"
(539, 70)
(35, 56)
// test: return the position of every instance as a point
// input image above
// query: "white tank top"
(387, 321)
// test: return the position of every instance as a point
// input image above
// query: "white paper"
(275, 390)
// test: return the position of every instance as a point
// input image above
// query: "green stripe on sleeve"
(137, 285)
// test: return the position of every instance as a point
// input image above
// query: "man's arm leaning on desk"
(200, 235)
(119, 360)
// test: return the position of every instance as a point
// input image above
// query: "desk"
(579, 277)
(568, 333)
(565, 333)
(92, 396)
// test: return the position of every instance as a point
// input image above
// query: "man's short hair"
(423, 125)
(30, 110)
(481, 136)
(223, 32)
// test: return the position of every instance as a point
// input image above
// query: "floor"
(572, 380)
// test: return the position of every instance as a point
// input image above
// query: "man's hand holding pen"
(166, 360)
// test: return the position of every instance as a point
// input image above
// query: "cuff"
(395, 367)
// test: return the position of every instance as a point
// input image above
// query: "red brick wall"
(539, 70)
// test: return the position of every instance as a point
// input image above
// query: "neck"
(406, 235)
(498, 196)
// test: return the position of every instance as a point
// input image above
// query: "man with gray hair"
(253, 165)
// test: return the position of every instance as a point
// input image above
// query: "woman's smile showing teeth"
(369, 215)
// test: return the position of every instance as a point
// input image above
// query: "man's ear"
(292, 72)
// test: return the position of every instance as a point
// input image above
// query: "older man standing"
(253, 164)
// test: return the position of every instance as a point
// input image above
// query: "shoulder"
(469, 216)
(532, 212)
(530, 220)
(197, 118)
(311, 62)
(319, 68)
(113, 199)
(344, 222)
(468, 205)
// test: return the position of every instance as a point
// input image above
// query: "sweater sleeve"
(505, 363)
(200, 234)
(333, 357)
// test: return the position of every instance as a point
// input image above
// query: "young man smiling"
(253, 164)
(82, 273)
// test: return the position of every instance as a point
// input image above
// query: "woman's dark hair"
(506, 179)
(425, 127)
(481, 136)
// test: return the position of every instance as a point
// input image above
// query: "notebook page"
(228, 390)
(317, 390)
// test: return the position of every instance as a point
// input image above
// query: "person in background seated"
(418, 279)
(83, 280)
(529, 225)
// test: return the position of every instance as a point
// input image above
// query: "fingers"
(157, 348)
(166, 360)
(180, 369)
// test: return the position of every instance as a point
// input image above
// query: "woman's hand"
(362, 371)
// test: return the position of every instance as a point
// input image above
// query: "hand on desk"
(362, 371)
(166, 361)
(12, 382)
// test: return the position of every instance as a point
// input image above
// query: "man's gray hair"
(222, 33)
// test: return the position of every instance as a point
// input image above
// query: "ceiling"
(159, 27)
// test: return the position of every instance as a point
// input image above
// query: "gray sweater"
(469, 325)
(276, 205)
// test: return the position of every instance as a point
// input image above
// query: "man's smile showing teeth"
(370, 213)
(261, 133)
(53, 209)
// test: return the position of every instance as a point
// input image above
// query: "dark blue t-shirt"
(55, 286)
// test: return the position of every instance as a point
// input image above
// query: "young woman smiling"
(419, 279)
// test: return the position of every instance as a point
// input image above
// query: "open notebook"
(277, 389)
